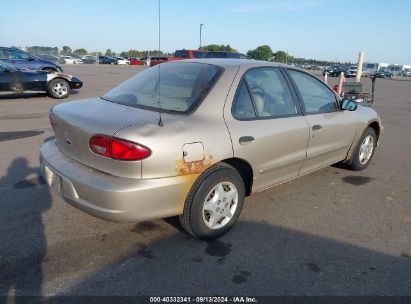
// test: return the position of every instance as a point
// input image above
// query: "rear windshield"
(181, 88)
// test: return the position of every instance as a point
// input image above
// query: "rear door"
(332, 131)
(266, 126)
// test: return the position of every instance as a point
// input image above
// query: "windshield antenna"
(160, 121)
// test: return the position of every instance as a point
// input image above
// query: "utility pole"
(201, 27)
(359, 66)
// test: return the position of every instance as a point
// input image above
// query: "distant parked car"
(22, 60)
(406, 73)
(121, 60)
(336, 70)
(146, 60)
(70, 60)
(16, 82)
(107, 60)
(89, 59)
(327, 69)
(351, 71)
(383, 73)
(179, 55)
(225, 55)
(135, 61)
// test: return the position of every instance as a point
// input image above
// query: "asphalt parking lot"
(333, 232)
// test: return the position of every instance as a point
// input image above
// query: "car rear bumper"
(110, 197)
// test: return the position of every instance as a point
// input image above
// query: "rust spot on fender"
(190, 171)
(195, 167)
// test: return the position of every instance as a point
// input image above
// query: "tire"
(204, 224)
(58, 88)
(359, 160)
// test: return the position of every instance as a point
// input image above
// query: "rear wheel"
(59, 88)
(364, 151)
(214, 203)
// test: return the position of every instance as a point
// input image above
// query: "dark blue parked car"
(23, 60)
(107, 60)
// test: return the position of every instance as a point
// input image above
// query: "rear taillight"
(101, 144)
(118, 148)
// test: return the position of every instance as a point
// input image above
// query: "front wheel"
(214, 203)
(364, 151)
(58, 88)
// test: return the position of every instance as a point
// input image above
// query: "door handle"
(316, 127)
(245, 140)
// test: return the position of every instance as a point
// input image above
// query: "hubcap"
(366, 149)
(220, 205)
(60, 88)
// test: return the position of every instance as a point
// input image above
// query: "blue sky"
(321, 29)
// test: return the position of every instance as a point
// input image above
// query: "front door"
(332, 130)
(266, 126)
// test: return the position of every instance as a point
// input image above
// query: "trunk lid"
(76, 122)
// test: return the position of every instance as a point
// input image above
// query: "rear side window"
(263, 93)
(317, 97)
(172, 87)
(243, 107)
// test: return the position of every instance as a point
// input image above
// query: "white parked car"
(70, 60)
(121, 60)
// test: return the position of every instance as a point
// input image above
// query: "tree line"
(263, 52)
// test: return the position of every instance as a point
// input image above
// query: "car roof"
(228, 63)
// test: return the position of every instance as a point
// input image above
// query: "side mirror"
(349, 104)
(30, 59)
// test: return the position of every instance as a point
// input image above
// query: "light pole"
(201, 27)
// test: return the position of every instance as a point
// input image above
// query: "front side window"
(268, 92)
(317, 97)
(173, 87)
